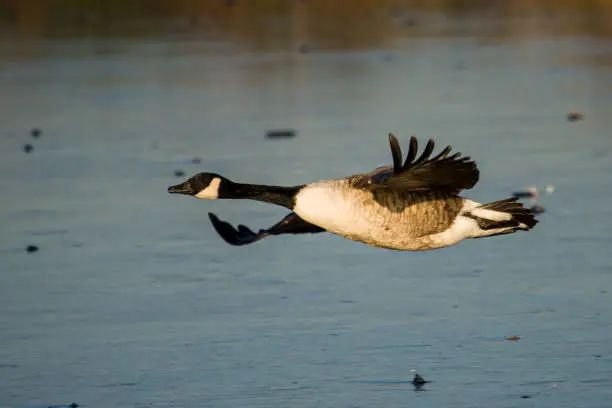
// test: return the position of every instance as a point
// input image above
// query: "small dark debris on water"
(179, 173)
(531, 192)
(35, 133)
(574, 116)
(280, 133)
(31, 248)
(525, 396)
(513, 338)
(196, 160)
(537, 209)
(305, 49)
(419, 381)
(28, 148)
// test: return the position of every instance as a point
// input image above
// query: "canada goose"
(411, 206)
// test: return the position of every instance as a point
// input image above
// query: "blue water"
(134, 301)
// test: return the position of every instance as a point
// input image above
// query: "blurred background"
(114, 293)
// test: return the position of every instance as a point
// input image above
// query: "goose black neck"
(283, 196)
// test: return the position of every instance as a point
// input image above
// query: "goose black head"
(201, 185)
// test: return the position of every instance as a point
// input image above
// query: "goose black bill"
(182, 188)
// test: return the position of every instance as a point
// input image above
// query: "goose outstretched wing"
(243, 235)
(440, 173)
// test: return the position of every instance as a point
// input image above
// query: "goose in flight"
(412, 205)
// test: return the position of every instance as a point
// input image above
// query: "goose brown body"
(384, 218)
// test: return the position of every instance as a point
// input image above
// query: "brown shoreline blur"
(321, 24)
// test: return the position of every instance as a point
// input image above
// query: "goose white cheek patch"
(211, 192)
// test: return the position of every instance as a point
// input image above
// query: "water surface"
(134, 301)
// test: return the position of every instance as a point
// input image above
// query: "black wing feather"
(443, 153)
(412, 152)
(396, 153)
(425, 155)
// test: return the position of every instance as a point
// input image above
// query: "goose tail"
(502, 217)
